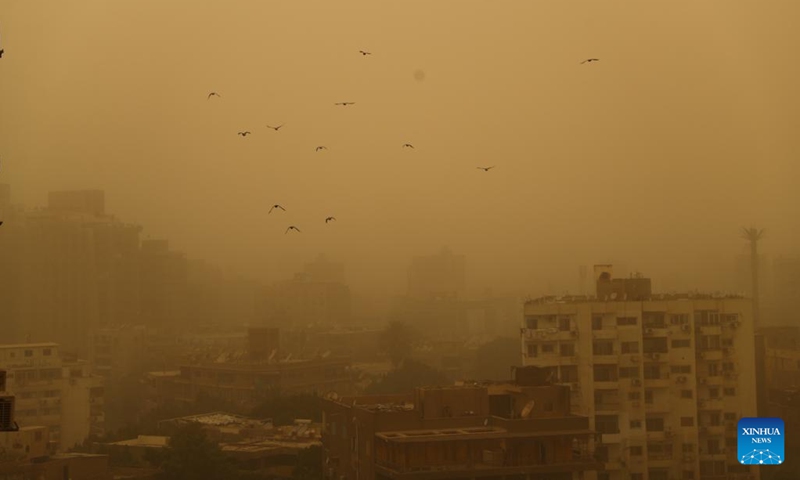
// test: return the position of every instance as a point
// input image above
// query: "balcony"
(710, 330)
(657, 407)
(663, 382)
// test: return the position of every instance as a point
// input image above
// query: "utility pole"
(753, 235)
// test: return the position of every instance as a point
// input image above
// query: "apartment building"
(60, 394)
(117, 351)
(664, 379)
(522, 430)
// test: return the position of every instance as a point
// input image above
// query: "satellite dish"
(526, 411)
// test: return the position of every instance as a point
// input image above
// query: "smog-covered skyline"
(652, 157)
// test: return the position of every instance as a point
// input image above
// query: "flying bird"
(486, 169)
(590, 60)
(321, 147)
(362, 52)
(244, 134)
(408, 145)
(276, 128)
(292, 227)
(1, 223)
(344, 104)
(329, 219)
(274, 207)
(1, 52)
(213, 94)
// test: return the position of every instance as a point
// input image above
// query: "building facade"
(664, 379)
(462, 432)
(62, 395)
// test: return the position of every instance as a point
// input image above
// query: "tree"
(408, 376)
(398, 340)
(493, 360)
(191, 455)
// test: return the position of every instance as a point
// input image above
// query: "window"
(658, 474)
(688, 448)
(730, 392)
(634, 395)
(605, 373)
(654, 424)
(713, 369)
(713, 392)
(687, 421)
(531, 322)
(569, 373)
(713, 447)
(548, 347)
(567, 349)
(655, 345)
(637, 476)
(680, 319)
(731, 442)
(629, 372)
(687, 394)
(46, 352)
(688, 475)
(730, 416)
(563, 324)
(652, 372)
(625, 321)
(606, 423)
(637, 451)
(28, 353)
(635, 424)
(681, 343)
(532, 350)
(680, 369)
(710, 342)
(603, 347)
(629, 347)
(603, 476)
(654, 319)
(597, 322)
(648, 396)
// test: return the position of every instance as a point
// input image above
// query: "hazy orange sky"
(654, 157)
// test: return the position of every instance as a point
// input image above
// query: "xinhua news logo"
(761, 441)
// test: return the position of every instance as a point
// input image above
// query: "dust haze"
(653, 157)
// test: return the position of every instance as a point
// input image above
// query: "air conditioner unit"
(655, 356)
(686, 328)
(648, 331)
(574, 333)
(636, 382)
(682, 379)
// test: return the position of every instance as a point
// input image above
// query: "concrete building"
(664, 379)
(60, 394)
(522, 430)
(164, 284)
(117, 351)
(437, 276)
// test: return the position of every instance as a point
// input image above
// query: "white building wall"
(674, 409)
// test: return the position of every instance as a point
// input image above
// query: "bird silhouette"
(362, 52)
(276, 128)
(1, 223)
(244, 134)
(590, 60)
(486, 169)
(408, 145)
(292, 227)
(274, 207)
(1, 52)
(344, 104)
(321, 147)
(213, 94)
(329, 219)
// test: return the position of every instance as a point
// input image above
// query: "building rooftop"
(656, 297)
(471, 433)
(28, 345)
(146, 441)
(222, 419)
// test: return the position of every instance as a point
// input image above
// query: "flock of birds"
(277, 128)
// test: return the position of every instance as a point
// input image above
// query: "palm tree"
(753, 235)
